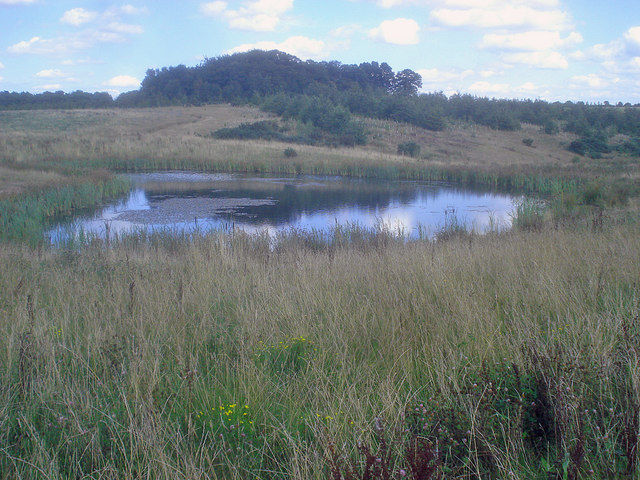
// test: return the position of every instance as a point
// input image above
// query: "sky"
(554, 50)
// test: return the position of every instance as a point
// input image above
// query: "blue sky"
(549, 49)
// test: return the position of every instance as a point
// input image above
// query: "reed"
(24, 217)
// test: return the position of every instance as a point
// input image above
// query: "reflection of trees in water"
(294, 199)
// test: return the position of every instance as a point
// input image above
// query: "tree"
(407, 83)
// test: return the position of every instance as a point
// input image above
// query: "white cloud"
(401, 31)
(502, 15)
(131, 10)
(633, 35)
(393, 3)
(78, 16)
(591, 80)
(496, 4)
(55, 73)
(15, 2)
(346, 31)
(504, 90)
(632, 40)
(50, 87)
(448, 81)
(301, 47)
(550, 60)
(618, 56)
(213, 9)
(529, 41)
(36, 45)
(605, 51)
(435, 75)
(1, 65)
(125, 28)
(123, 81)
(527, 87)
(487, 73)
(486, 88)
(106, 28)
(255, 15)
(65, 45)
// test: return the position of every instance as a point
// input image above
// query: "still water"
(179, 201)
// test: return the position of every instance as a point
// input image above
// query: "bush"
(578, 146)
(551, 127)
(593, 194)
(528, 142)
(593, 144)
(266, 130)
(411, 149)
(290, 152)
(631, 147)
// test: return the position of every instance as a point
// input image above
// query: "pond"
(179, 201)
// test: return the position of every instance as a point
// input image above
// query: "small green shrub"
(290, 152)
(528, 142)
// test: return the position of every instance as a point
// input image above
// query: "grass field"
(512, 355)
(177, 137)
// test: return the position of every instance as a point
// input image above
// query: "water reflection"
(185, 201)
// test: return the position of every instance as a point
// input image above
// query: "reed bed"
(498, 356)
(24, 217)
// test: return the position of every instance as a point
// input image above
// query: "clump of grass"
(286, 357)
(453, 227)
(529, 214)
(411, 149)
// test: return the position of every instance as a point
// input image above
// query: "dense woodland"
(323, 96)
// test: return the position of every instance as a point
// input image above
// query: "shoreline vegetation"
(352, 356)
(47, 157)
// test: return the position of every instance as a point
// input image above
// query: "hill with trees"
(323, 98)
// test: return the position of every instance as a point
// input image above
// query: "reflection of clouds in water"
(268, 230)
(137, 200)
(396, 221)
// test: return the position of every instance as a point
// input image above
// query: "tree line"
(325, 95)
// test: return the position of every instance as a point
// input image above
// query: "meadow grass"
(180, 138)
(513, 355)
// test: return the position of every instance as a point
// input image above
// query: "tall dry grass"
(124, 362)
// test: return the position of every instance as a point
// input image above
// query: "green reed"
(24, 217)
